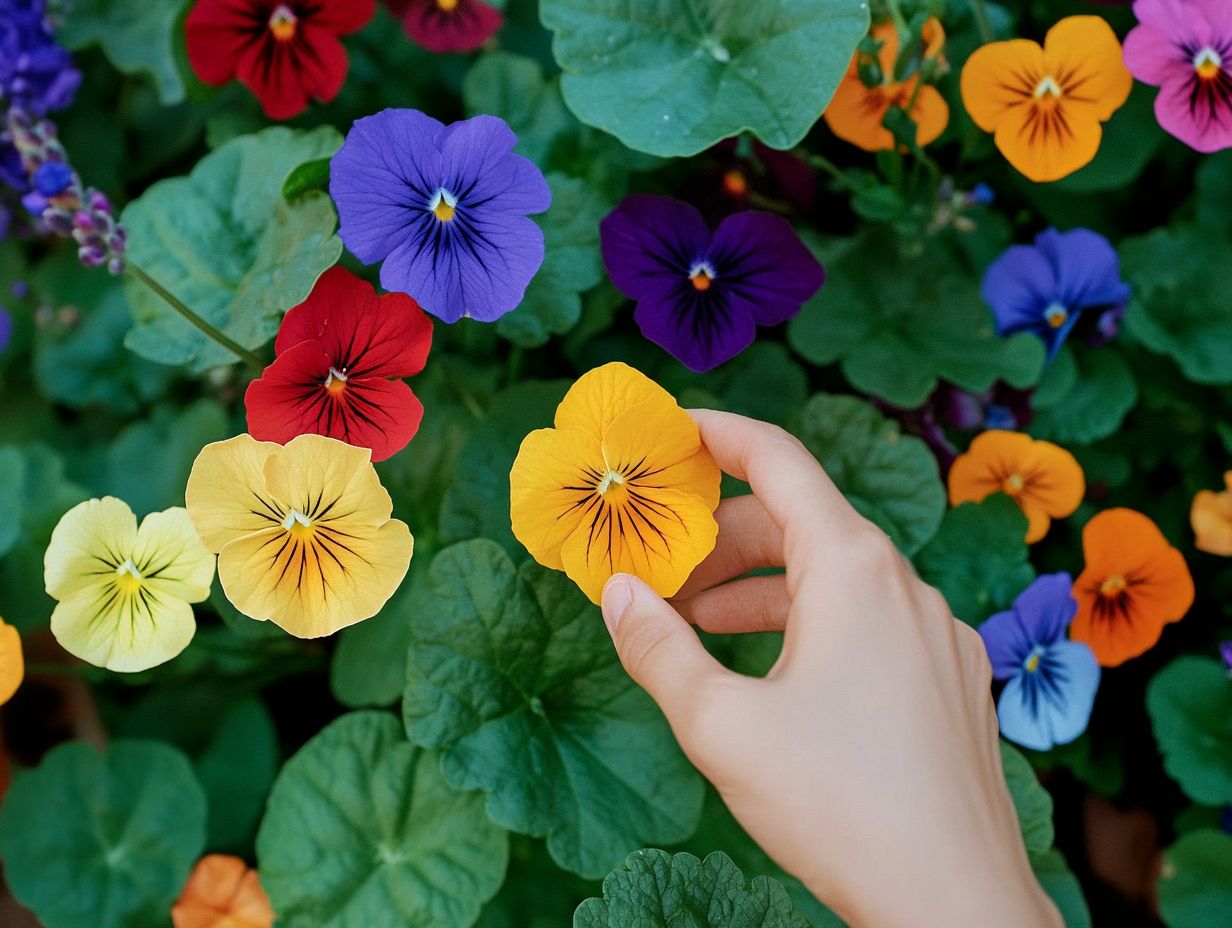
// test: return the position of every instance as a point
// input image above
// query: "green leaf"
(571, 266)
(1062, 887)
(763, 381)
(309, 176)
(1213, 189)
(12, 481)
(978, 558)
(513, 87)
(672, 79)
(361, 830)
(136, 36)
(1101, 395)
(889, 477)
(225, 242)
(1182, 303)
(1129, 142)
(1031, 801)
(879, 203)
(655, 889)
(237, 768)
(477, 502)
(514, 677)
(104, 840)
(1190, 703)
(1195, 885)
(899, 324)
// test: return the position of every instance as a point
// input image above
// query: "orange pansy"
(1046, 105)
(856, 112)
(1134, 583)
(1043, 479)
(222, 893)
(1211, 518)
(12, 664)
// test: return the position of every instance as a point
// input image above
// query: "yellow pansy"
(12, 666)
(124, 591)
(302, 531)
(622, 484)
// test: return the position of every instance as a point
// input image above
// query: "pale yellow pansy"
(123, 591)
(302, 531)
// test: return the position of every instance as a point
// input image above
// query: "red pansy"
(284, 51)
(447, 25)
(336, 353)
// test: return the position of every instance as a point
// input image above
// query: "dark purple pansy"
(1046, 287)
(701, 295)
(444, 208)
(6, 328)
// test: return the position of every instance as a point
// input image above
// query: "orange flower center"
(735, 184)
(1013, 484)
(1208, 64)
(1113, 586)
(1048, 89)
(1056, 315)
(282, 23)
(446, 6)
(701, 275)
(336, 382)
(443, 205)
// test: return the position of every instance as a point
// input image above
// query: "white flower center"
(295, 518)
(1048, 87)
(611, 477)
(1031, 664)
(1208, 63)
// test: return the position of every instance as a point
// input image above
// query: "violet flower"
(444, 208)
(701, 296)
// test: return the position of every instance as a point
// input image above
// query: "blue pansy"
(1050, 681)
(1046, 287)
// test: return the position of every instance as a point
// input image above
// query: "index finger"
(801, 499)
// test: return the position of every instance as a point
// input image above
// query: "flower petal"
(12, 664)
(87, 545)
(657, 445)
(216, 34)
(1088, 271)
(226, 496)
(1007, 643)
(1052, 705)
(1019, 286)
(760, 260)
(602, 394)
(999, 79)
(553, 486)
(1084, 56)
(1047, 143)
(342, 17)
(170, 557)
(1046, 607)
(328, 481)
(855, 115)
(483, 172)
(700, 330)
(222, 892)
(462, 29)
(649, 244)
(123, 631)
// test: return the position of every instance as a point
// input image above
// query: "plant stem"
(180, 307)
(982, 22)
(820, 161)
(900, 23)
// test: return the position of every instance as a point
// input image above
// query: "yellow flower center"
(1208, 64)
(128, 578)
(1013, 484)
(1056, 315)
(298, 524)
(735, 184)
(1031, 664)
(1048, 88)
(443, 205)
(336, 382)
(282, 23)
(701, 275)
(447, 6)
(1112, 586)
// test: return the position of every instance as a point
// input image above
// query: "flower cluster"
(36, 74)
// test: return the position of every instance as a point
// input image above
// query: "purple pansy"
(444, 208)
(1050, 681)
(700, 295)
(6, 328)
(1184, 47)
(1225, 652)
(1046, 287)
(36, 74)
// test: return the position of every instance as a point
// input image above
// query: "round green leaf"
(1059, 882)
(978, 558)
(1098, 399)
(105, 840)
(1031, 801)
(236, 769)
(361, 830)
(513, 87)
(12, 480)
(1129, 142)
(655, 889)
(136, 35)
(1190, 703)
(514, 677)
(1195, 886)
(673, 78)
(889, 477)
(225, 242)
(897, 324)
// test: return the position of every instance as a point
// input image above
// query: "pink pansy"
(1184, 47)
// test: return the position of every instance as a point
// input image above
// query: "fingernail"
(617, 596)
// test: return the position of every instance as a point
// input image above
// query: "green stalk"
(204, 327)
(820, 161)
(982, 23)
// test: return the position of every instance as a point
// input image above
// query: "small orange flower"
(12, 665)
(1211, 518)
(1046, 105)
(222, 893)
(1134, 584)
(1043, 479)
(856, 112)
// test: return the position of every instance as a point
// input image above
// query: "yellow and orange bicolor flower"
(622, 484)
(1046, 106)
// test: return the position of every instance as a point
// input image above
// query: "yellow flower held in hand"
(124, 591)
(12, 666)
(622, 484)
(302, 531)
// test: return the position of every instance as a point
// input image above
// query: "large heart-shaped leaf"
(104, 840)
(978, 558)
(890, 478)
(137, 35)
(1190, 702)
(1195, 885)
(1062, 886)
(512, 674)
(899, 323)
(655, 889)
(362, 830)
(225, 242)
(1031, 801)
(672, 77)
(1083, 396)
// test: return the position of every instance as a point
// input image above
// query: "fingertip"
(616, 598)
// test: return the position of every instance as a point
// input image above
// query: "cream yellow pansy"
(302, 531)
(123, 591)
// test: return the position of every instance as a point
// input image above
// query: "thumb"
(658, 648)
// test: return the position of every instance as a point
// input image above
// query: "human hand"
(866, 763)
